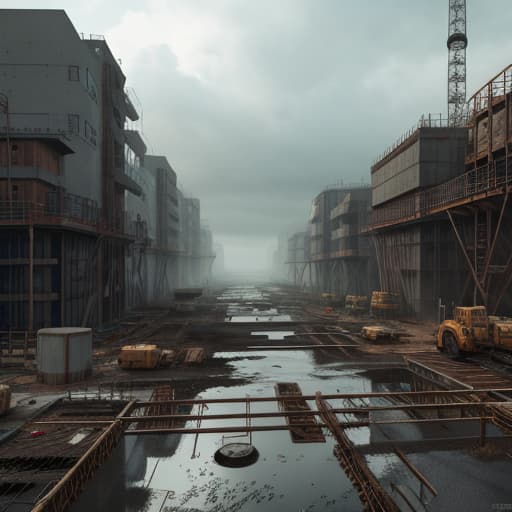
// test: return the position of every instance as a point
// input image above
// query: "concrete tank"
(64, 354)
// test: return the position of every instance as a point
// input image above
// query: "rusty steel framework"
(475, 203)
(67, 490)
(165, 415)
(371, 492)
(457, 43)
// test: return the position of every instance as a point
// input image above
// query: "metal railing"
(19, 345)
(69, 208)
(483, 180)
(425, 121)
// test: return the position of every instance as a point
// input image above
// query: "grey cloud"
(312, 92)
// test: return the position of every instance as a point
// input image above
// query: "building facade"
(89, 223)
(419, 260)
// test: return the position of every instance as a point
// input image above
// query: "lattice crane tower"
(457, 43)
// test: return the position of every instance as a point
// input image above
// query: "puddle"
(273, 335)
(258, 318)
(166, 473)
(177, 473)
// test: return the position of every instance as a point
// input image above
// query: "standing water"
(178, 472)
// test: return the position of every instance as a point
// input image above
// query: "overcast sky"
(259, 105)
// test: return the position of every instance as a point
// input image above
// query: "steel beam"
(468, 260)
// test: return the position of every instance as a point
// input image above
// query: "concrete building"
(299, 258)
(189, 241)
(219, 267)
(207, 256)
(340, 255)
(152, 263)
(62, 134)
(89, 223)
(280, 258)
(419, 260)
(353, 269)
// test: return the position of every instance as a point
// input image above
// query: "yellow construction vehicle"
(472, 330)
(144, 357)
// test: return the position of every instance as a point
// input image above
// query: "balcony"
(66, 211)
(134, 140)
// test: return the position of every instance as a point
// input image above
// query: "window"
(92, 88)
(74, 123)
(90, 133)
(73, 73)
(14, 154)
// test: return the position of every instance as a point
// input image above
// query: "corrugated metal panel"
(80, 354)
(64, 354)
(50, 353)
(398, 176)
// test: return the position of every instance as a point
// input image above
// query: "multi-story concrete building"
(352, 256)
(207, 256)
(152, 265)
(189, 241)
(62, 134)
(339, 252)
(419, 260)
(298, 258)
(218, 267)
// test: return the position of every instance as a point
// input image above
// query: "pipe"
(339, 396)
(415, 471)
(263, 428)
(344, 410)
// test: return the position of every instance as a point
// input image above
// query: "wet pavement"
(287, 476)
(178, 473)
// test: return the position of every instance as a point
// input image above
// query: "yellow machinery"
(144, 356)
(379, 333)
(385, 303)
(472, 330)
(356, 303)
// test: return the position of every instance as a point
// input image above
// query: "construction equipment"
(356, 303)
(385, 303)
(472, 330)
(379, 333)
(144, 357)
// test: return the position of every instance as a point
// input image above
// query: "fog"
(260, 105)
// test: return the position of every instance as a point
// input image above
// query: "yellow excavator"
(473, 330)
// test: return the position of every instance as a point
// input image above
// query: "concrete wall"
(52, 81)
(399, 175)
(423, 264)
(189, 240)
(165, 201)
(430, 157)
(321, 242)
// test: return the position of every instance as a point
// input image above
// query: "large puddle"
(250, 304)
(177, 473)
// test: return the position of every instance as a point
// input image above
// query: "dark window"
(74, 123)
(73, 73)
(14, 154)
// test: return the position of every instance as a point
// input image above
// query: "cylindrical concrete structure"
(64, 354)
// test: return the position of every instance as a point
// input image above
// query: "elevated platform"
(450, 374)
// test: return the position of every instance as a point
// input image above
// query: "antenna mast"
(457, 43)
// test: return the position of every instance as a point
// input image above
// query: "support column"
(100, 285)
(31, 278)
